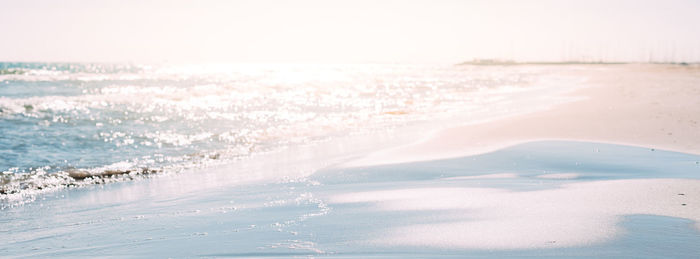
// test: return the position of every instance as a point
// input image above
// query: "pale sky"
(441, 31)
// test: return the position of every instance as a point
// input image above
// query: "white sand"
(653, 106)
(577, 214)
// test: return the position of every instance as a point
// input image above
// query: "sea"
(69, 125)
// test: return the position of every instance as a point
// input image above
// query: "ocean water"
(70, 124)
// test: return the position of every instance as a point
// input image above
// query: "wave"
(12, 71)
(20, 188)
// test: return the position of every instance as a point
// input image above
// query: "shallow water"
(301, 216)
(534, 161)
(60, 123)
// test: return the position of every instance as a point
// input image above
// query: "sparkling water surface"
(58, 118)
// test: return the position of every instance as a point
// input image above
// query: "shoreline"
(647, 106)
(548, 198)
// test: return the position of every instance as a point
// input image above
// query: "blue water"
(57, 118)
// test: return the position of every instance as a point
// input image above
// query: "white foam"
(576, 214)
(562, 176)
(484, 176)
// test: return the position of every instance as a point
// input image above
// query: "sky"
(358, 31)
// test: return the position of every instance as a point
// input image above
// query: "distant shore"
(498, 62)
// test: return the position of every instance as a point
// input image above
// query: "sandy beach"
(654, 106)
(647, 106)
